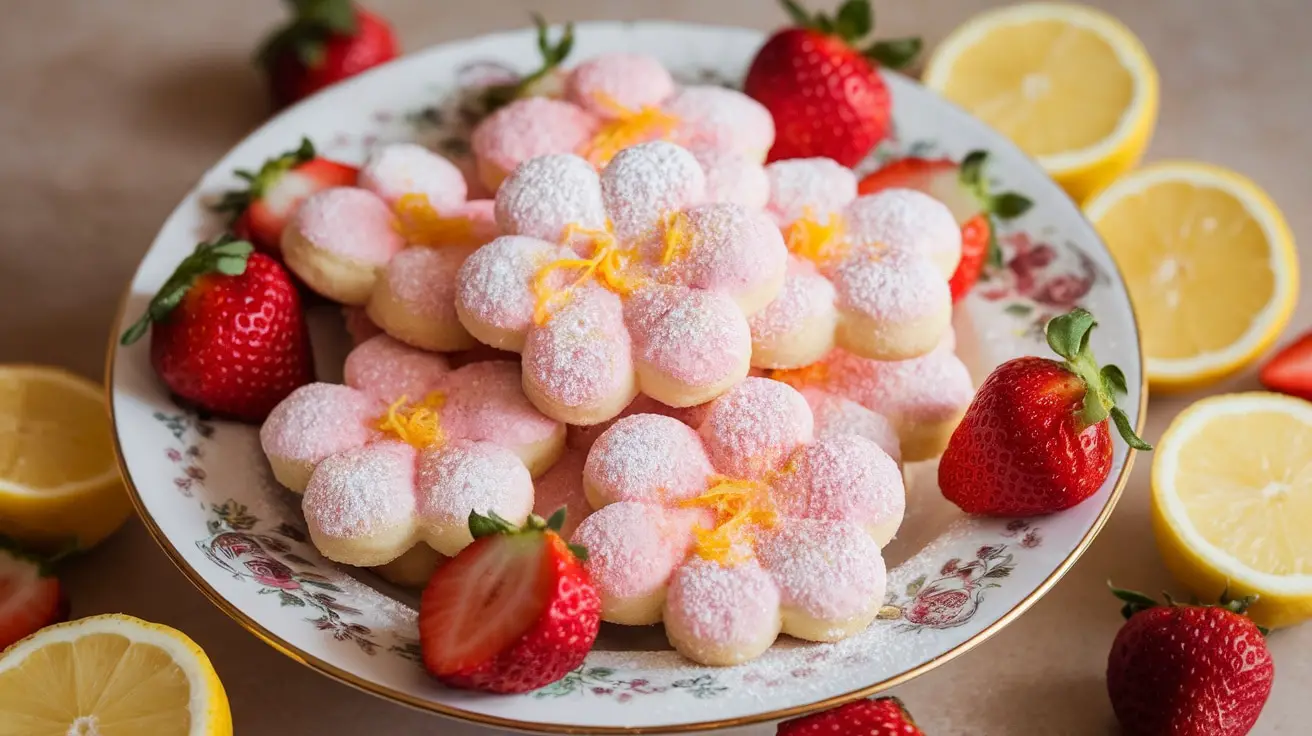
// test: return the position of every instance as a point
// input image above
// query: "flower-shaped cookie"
(923, 397)
(740, 529)
(624, 281)
(405, 450)
(867, 273)
(614, 101)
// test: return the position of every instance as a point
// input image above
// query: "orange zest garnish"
(420, 224)
(626, 128)
(815, 374)
(678, 237)
(740, 506)
(419, 424)
(608, 266)
(816, 241)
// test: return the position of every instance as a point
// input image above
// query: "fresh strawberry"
(513, 612)
(31, 597)
(1187, 670)
(325, 42)
(1290, 370)
(544, 81)
(878, 717)
(826, 95)
(227, 332)
(965, 190)
(263, 208)
(1035, 438)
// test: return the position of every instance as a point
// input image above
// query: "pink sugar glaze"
(821, 185)
(389, 369)
(841, 477)
(903, 219)
(534, 126)
(929, 389)
(495, 284)
(463, 476)
(733, 249)
(424, 280)
(562, 487)
(363, 491)
(806, 296)
(896, 288)
(733, 177)
(633, 547)
(829, 570)
(633, 81)
(358, 325)
(349, 222)
(643, 183)
(318, 420)
(648, 458)
(835, 416)
(722, 606)
(408, 168)
(717, 117)
(485, 401)
(546, 194)
(582, 354)
(755, 426)
(699, 338)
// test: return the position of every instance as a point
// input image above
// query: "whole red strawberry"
(263, 208)
(826, 95)
(326, 42)
(878, 717)
(965, 190)
(1035, 438)
(513, 612)
(1187, 670)
(227, 332)
(31, 597)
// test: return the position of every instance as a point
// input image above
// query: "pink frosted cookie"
(748, 526)
(621, 282)
(874, 281)
(923, 397)
(617, 100)
(338, 240)
(405, 450)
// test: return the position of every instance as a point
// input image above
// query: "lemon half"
(1210, 265)
(1232, 502)
(1070, 85)
(110, 675)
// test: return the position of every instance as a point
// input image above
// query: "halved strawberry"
(262, 210)
(965, 191)
(513, 612)
(30, 596)
(1290, 370)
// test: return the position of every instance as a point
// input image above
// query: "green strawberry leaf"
(579, 551)
(225, 255)
(972, 170)
(557, 520)
(894, 53)
(234, 202)
(1068, 334)
(313, 22)
(1114, 379)
(854, 19)
(995, 257)
(1127, 432)
(553, 55)
(797, 13)
(1009, 205)
(1134, 601)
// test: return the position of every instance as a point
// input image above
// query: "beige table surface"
(109, 111)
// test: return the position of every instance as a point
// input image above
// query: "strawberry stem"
(235, 201)
(1068, 336)
(553, 55)
(1005, 206)
(1136, 602)
(226, 255)
(313, 22)
(853, 21)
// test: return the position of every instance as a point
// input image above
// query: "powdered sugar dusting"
(835, 415)
(722, 118)
(631, 81)
(753, 428)
(829, 570)
(534, 126)
(821, 186)
(495, 284)
(733, 177)
(715, 606)
(485, 401)
(893, 288)
(904, 219)
(464, 476)
(806, 296)
(318, 420)
(842, 477)
(389, 369)
(644, 182)
(408, 168)
(424, 281)
(582, 355)
(545, 194)
(632, 548)
(361, 492)
(734, 249)
(350, 222)
(929, 389)
(649, 458)
(696, 337)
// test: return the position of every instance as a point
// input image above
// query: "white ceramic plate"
(206, 493)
